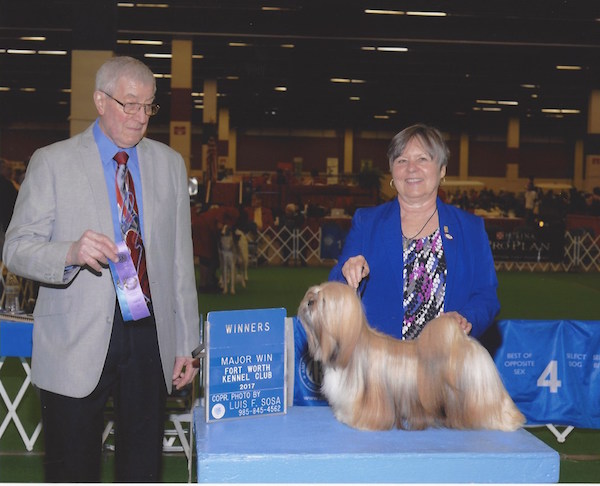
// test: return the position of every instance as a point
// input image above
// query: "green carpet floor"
(522, 295)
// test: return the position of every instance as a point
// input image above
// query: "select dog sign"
(246, 360)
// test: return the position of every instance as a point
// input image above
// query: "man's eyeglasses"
(132, 108)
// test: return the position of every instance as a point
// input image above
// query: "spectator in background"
(206, 230)
(261, 216)
(530, 201)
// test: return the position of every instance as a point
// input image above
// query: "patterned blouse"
(424, 283)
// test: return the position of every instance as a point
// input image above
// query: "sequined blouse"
(424, 282)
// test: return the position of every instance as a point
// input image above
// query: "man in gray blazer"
(63, 234)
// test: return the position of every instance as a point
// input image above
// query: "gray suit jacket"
(64, 193)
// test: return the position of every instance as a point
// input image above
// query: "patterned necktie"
(129, 220)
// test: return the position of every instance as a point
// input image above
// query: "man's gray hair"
(122, 67)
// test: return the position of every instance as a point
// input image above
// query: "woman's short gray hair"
(123, 67)
(431, 139)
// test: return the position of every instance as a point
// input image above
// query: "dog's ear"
(340, 323)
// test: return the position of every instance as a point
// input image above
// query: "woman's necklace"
(406, 241)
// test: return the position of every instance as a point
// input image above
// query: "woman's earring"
(391, 183)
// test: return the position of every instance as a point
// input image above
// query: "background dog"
(233, 255)
(373, 381)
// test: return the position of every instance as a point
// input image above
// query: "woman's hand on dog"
(465, 325)
(355, 269)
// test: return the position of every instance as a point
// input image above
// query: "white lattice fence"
(581, 252)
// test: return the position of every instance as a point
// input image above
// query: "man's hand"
(92, 249)
(184, 371)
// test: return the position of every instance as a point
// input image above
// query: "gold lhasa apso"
(372, 381)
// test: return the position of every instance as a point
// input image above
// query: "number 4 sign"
(549, 377)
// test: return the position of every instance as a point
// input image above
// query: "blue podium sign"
(246, 361)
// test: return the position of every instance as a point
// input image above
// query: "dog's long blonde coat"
(376, 382)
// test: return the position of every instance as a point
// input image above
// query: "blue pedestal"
(308, 445)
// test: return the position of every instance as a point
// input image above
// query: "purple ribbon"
(129, 292)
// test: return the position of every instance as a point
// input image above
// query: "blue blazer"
(471, 278)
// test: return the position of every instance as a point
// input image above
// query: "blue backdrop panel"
(551, 369)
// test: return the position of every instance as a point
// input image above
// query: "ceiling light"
(561, 111)
(487, 108)
(347, 80)
(280, 88)
(32, 38)
(528, 86)
(27, 90)
(20, 51)
(568, 68)
(509, 103)
(392, 49)
(162, 76)
(354, 98)
(156, 55)
(143, 42)
(287, 46)
(197, 56)
(427, 14)
(4, 88)
(239, 44)
(383, 12)
(486, 102)
(232, 78)
(125, 4)
(381, 117)
(53, 53)
(152, 5)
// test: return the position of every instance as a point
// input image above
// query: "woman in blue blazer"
(416, 257)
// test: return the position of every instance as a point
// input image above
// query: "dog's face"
(333, 318)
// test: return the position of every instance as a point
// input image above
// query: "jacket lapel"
(449, 228)
(93, 174)
(392, 242)
(148, 182)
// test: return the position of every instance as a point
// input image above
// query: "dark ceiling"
(473, 68)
